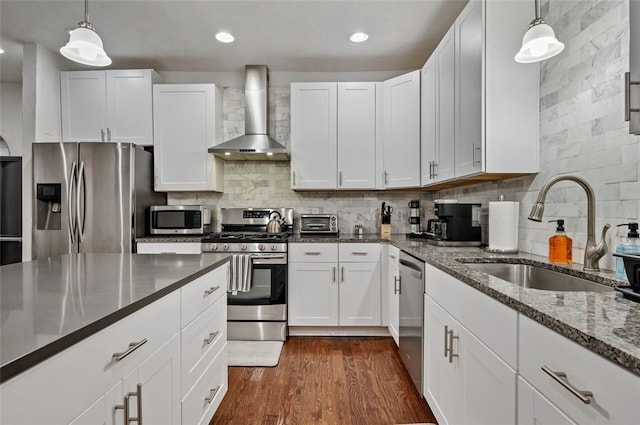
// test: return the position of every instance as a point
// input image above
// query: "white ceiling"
(290, 35)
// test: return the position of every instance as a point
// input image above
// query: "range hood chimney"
(255, 144)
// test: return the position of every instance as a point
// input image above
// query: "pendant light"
(85, 45)
(539, 42)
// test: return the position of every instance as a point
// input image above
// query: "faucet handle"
(602, 246)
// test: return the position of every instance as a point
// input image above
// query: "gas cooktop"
(245, 237)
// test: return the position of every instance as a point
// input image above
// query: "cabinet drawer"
(359, 252)
(201, 340)
(200, 404)
(169, 248)
(313, 252)
(492, 322)
(615, 391)
(93, 369)
(203, 292)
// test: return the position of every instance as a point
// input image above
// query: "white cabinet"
(470, 350)
(146, 359)
(187, 121)
(468, 74)
(479, 125)
(536, 409)
(334, 284)
(333, 135)
(107, 106)
(401, 134)
(314, 135)
(438, 112)
(553, 364)
(393, 291)
(634, 67)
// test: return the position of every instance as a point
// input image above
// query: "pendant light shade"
(539, 42)
(85, 45)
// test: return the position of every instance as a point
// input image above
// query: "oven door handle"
(274, 259)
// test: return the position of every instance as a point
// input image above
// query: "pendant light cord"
(86, 10)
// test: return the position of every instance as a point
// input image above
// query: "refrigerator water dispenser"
(49, 196)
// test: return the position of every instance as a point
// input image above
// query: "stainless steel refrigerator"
(90, 197)
(10, 209)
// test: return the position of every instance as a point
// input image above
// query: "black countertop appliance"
(455, 224)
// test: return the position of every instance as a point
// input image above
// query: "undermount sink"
(535, 277)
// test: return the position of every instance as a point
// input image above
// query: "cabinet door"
(156, 384)
(314, 135)
(129, 106)
(102, 411)
(402, 131)
(487, 384)
(313, 294)
(440, 374)
(356, 135)
(186, 123)
(535, 409)
(83, 102)
(446, 107)
(429, 121)
(468, 137)
(360, 297)
(393, 294)
(634, 64)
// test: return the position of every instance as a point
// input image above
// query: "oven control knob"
(261, 247)
(243, 247)
(214, 247)
(225, 247)
(273, 247)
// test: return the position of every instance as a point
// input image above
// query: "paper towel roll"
(503, 226)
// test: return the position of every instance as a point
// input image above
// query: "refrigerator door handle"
(80, 191)
(10, 239)
(72, 180)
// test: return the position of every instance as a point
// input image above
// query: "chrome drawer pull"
(211, 290)
(133, 346)
(212, 394)
(451, 338)
(584, 396)
(212, 336)
(311, 253)
(359, 253)
(446, 341)
(138, 396)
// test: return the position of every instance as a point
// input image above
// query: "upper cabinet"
(187, 121)
(633, 90)
(107, 106)
(333, 135)
(438, 112)
(496, 100)
(401, 139)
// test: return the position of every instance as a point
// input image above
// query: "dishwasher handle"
(416, 268)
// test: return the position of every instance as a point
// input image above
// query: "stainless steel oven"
(261, 312)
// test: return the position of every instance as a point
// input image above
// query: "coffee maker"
(455, 225)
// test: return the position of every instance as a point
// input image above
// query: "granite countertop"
(49, 304)
(605, 323)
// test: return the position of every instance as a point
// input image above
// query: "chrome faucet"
(592, 252)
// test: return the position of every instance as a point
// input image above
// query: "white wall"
(41, 119)
(11, 116)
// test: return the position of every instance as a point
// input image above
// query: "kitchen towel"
(503, 226)
(240, 274)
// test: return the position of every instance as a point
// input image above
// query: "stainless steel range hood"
(256, 143)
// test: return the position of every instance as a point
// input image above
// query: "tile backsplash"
(582, 131)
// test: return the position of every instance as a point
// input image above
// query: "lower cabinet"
(563, 373)
(465, 381)
(334, 284)
(168, 248)
(134, 370)
(536, 409)
(392, 285)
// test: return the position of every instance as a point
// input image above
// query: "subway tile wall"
(582, 131)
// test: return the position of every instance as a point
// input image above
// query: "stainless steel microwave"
(319, 223)
(179, 220)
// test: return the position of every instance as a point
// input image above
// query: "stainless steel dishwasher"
(411, 315)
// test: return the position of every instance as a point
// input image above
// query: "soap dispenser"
(629, 246)
(560, 245)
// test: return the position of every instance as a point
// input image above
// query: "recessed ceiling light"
(358, 37)
(1, 51)
(224, 37)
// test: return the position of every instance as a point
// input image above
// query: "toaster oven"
(319, 223)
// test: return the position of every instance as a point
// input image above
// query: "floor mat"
(254, 353)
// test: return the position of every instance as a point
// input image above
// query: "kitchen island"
(72, 316)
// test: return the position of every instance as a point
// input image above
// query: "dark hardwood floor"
(329, 381)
